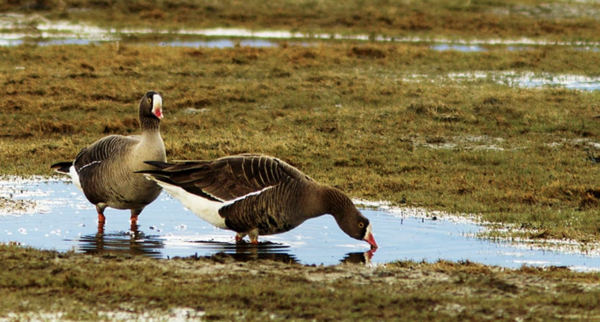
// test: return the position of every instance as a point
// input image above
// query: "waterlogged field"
(350, 115)
(471, 108)
(54, 215)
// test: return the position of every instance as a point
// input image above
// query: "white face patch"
(157, 106)
(369, 238)
(368, 232)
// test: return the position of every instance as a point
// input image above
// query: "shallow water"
(48, 33)
(457, 47)
(62, 219)
(517, 79)
(15, 28)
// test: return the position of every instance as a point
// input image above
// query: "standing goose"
(256, 195)
(105, 170)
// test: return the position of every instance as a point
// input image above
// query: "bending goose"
(256, 195)
(105, 170)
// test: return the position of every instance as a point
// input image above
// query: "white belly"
(207, 210)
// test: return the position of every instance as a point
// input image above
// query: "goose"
(255, 194)
(105, 170)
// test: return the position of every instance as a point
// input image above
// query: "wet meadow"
(399, 121)
(350, 115)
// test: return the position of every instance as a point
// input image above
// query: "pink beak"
(371, 240)
(158, 113)
(157, 106)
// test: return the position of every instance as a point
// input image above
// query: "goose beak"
(370, 239)
(157, 106)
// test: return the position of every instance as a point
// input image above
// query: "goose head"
(357, 226)
(349, 218)
(151, 105)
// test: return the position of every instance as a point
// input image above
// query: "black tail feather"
(62, 167)
(159, 164)
(177, 166)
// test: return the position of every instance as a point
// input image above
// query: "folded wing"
(228, 178)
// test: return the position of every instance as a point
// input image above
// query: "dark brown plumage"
(256, 195)
(105, 170)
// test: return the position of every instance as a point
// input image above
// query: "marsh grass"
(346, 114)
(84, 287)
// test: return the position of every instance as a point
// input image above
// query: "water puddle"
(16, 29)
(61, 218)
(516, 79)
(457, 47)
(548, 80)
(217, 43)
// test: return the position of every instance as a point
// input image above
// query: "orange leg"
(134, 227)
(101, 221)
(239, 237)
(134, 219)
(101, 218)
(253, 234)
(134, 215)
(100, 210)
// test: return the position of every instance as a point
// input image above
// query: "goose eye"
(361, 225)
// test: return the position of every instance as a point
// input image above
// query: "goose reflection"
(358, 257)
(245, 252)
(133, 242)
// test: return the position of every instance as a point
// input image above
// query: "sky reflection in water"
(67, 221)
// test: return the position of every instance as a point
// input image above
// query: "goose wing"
(228, 178)
(110, 147)
(100, 164)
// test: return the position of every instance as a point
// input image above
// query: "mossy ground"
(84, 287)
(349, 115)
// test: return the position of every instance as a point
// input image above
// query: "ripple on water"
(166, 229)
